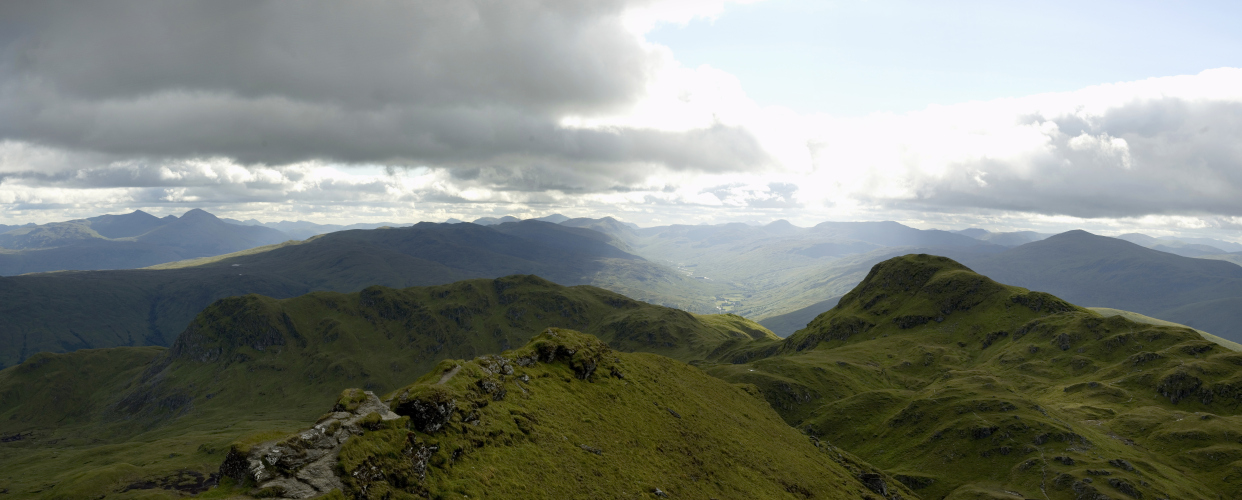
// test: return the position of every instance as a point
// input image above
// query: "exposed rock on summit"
(304, 465)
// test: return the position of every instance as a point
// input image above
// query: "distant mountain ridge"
(127, 241)
(302, 229)
(1186, 247)
(66, 311)
(1008, 239)
(1108, 272)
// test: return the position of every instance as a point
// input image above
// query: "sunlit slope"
(770, 270)
(565, 417)
(966, 388)
(60, 312)
(253, 364)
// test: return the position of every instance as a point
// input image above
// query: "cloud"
(417, 82)
(429, 109)
(1164, 146)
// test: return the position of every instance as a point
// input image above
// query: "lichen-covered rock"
(303, 465)
(428, 407)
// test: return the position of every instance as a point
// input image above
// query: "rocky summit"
(562, 417)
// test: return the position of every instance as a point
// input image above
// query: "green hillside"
(59, 312)
(1088, 269)
(966, 388)
(948, 382)
(252, 365)
(562, 417)
(1139, 318)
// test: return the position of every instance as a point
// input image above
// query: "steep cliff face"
(564, 416)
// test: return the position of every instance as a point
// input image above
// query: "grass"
(66, 311)
(954, 384)
(638, 423)
(972, 389)
(251, 366)
(1139, 318)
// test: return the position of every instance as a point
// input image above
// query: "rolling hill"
(961, 387)
(1108, 272)
(148, 419)
(947, 383)
(127, 241)
(60, 312)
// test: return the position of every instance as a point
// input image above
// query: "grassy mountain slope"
(1139, 318)
(1108, 272)
(565, 417)
(73, 310)
(966, 388)
(253, 365)
(125, 241)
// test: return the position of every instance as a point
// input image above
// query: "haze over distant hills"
(756, 271)
(300, 230)
(772, 269)
(1008, 239)
(1108, 272)
(780, 274)
(89, 309)
(132, 240)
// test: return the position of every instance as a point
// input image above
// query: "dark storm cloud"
(448, 83)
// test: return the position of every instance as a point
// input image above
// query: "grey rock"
(304, 465)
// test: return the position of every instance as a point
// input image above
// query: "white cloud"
(427, 110)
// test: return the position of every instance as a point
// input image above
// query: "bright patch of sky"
(1052, 115)
(855, 57)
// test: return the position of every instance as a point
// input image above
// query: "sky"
(1108, 116)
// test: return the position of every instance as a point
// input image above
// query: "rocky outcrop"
(303, 465)
(321, 459)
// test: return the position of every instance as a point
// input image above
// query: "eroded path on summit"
(448, 375)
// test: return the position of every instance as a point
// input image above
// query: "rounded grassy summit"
(962, 387)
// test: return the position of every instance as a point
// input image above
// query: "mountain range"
(1186, 247)
(65, 311)
(133, 240)
(927, 380)
(300, 230)
(1109, 272)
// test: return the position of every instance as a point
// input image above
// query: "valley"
(936, 381)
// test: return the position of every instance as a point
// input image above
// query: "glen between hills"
(953, 385)
(65, 311)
